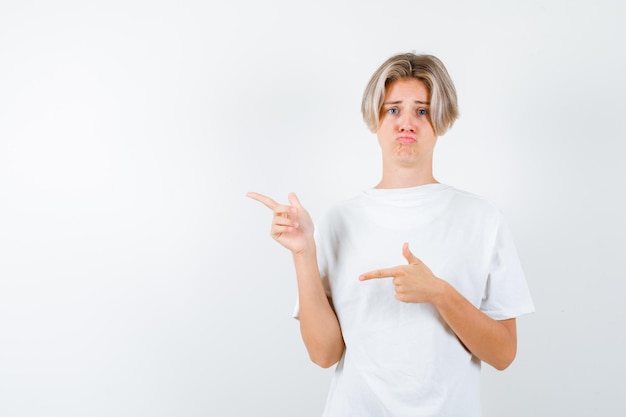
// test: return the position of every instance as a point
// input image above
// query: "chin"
(406, 154)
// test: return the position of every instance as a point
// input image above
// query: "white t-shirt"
(401, 359)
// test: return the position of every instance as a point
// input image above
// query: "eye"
(422, 112)
(392, 110)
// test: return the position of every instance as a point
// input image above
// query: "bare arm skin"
(492, 341)
(292, 227)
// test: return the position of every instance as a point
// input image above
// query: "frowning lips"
(406, 139)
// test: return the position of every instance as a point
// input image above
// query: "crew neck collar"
(406, 195)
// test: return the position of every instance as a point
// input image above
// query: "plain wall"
(137, 280)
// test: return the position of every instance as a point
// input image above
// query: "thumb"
(293, 200)
(406, 252)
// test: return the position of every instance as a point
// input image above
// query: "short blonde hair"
(426, 68)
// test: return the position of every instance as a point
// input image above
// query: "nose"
(406, 123)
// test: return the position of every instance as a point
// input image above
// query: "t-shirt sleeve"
(322, 262)
(506, 293)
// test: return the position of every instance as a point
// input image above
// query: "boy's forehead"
(409, 90)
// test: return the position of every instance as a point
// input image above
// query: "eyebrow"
(400, 101)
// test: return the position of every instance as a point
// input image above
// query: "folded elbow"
(502, 366)
(503, 357)
(504, 362)
(326, 358)
(324, 361)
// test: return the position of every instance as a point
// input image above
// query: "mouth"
(406, 139)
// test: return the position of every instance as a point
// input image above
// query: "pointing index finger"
(378, 273)
(265, 200)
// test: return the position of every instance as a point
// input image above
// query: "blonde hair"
(426, 68)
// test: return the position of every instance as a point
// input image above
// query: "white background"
(137, 280)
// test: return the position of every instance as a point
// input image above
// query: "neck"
(405, 177)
